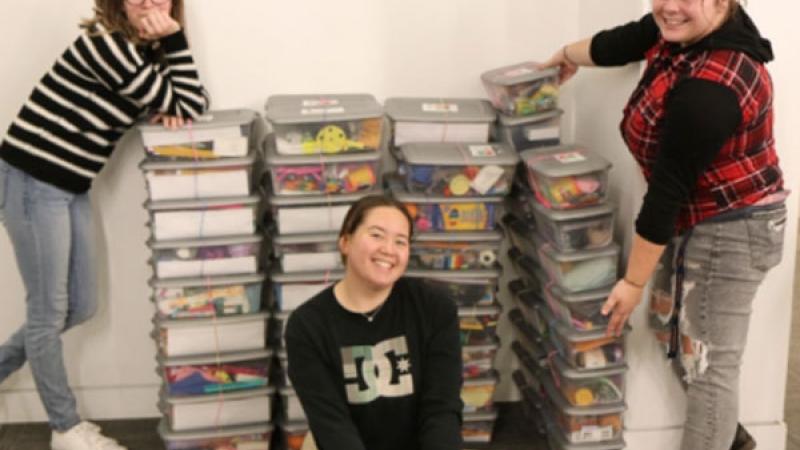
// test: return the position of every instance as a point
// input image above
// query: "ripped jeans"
(723, 263)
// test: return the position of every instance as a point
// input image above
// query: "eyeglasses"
(141, 2)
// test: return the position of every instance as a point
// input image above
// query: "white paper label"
(316, 111)
(517, 72)
(440, 107)
(486, 178)
(569, 157)
(482, 151)
(230, 146)
(317, 102)
(593, 433)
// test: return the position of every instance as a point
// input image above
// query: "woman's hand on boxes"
(621, 302)
(568, 58)
(170, 122)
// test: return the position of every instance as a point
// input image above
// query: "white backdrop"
(249, 49)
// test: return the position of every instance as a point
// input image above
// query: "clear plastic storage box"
(439, 119)
(213, 374)
(217, 134)
(583, 424)
(582, 270)
(290, 290)
(478, 325)
(477, 394)
(478, 360)
(256, 437)
(523, 133)
(193, 219)
(579, 310)
(206, 257)
(440, 213)
(467, 288)
(180, 298)
(588, 387)
(477, 428)
(178, 180)
(311, 214)
(215, 335)
(458, 169)
(522, 89)
(576, 229)
(448, 251)
(586, 349)
(567, 176)
(312, 124)
(307, 252)
(218, 411)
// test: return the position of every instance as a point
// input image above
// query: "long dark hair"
(358, 211)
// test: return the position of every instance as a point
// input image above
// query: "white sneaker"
(83, 436)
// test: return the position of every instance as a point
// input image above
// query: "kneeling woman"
(375, 359)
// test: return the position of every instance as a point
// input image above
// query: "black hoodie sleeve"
(699, 117)
(624, 44)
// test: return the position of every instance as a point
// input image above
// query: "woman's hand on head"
(156, 24)
(567, 69)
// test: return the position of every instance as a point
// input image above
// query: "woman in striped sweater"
(130, 60)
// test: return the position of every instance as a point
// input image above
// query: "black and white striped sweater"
(94, 93)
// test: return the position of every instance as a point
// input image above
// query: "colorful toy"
(342, 178)
(595, 391)
(478, 330)
(459, 180)
(451, 256)
(478, 397)
(209, 379)
(175, 303)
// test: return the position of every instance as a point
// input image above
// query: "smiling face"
(687, 21)
(376, 252)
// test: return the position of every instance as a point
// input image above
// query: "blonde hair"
(111, 15)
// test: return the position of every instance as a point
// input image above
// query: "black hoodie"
(699, 115)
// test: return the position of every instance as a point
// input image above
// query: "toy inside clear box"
(182, 298)
(203, 218)
(447, 251)
(576, 229)
(478, 394)
(216, 134)
(322, 174)
(465, 291)
(256, 437)
(457, 169)
(477, 428)
(591, 349)
(478, 360)
(582, 270)
(567, 176)
(522, 89)
(581, 310)
(295, 434)
(588, 387)
(444, 214)
(174, 180)
(523, 133)
(330, 124)
(307, 252)
(583, 424)
(206, 257)
(214, 374)
(478, 325)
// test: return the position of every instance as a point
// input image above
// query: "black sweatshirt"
(392, 383)
(700, 115)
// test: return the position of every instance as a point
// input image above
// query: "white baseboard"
(768, 437)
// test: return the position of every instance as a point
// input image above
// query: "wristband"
(566, 56)
(631, 283)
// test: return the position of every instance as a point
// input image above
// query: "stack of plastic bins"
(452, 191)
(207, 281)
(324, 153)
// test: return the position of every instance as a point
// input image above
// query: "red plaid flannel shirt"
(746, 168)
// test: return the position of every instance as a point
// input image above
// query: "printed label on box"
(517, 72)
(317, 102)
(231, 146)
(593, 433)
(318, 111)
(569, 157)
(440, 107)
(482, 151)
(486, 178)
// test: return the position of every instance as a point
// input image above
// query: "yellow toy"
(331, 139)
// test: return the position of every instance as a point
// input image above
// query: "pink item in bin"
(566, 177)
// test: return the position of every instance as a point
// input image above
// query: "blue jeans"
(723, 264)
(51, 231)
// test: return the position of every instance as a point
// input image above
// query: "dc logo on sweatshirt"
(382, 370)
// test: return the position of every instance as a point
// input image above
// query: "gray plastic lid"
(518, 73)
(306, 277)
(216, 433)
(218, 163)
(611, 249)
(467, 236)
(461, 276)
(311, 200)
(472, 311)
(577, 297)
(513, 121)
(223, 320)
(157, 283)
(210, 120)
(571, 373)
(295, 426)
(559, 215)
(311, 108)
(167, 205)
(559, 442)
(402, 195)
(273, 158)
(226, 396)
(309, 238)
(480, 416)
(432, 109)
(213, 358)
(233, 240)
(563, 160)
(562, 403)
(458, 154)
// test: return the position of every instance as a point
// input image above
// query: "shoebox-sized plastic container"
(528, 268)
(292, 409)
(182, 298)
(191, 337)
(583, 424)
(478, 360)
(212, 374)
(313, 124)
(458, 169)
(477, 428)
(478, 394)
(256, 437)
(445, 214)
(588, 387)
(558, 441)
(467, 288)
(206, 218)
(295, 434)
(522, 89)
(523, 235)
(583, 270)
(585, 349)
(449, 251)
(567, 176)
(344, 173)
(580, 310)
(307, 252)
(290, 290)
(478, 325)
(206, 257)
(576, 229)
(217, 134)
(311, 213)
(529, 302)
(523, 133)
(180, 180)
(439, 119)
(217, 411)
